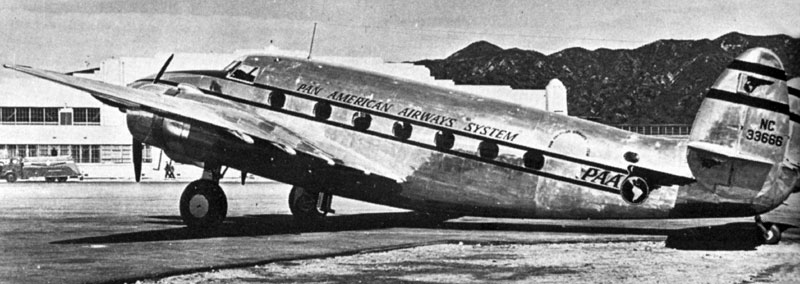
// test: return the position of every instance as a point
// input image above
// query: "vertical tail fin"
(742, 129)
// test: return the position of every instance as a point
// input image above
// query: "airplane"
(332, 130)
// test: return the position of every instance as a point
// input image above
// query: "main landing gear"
(770, 233)
(203, 203)
(309, 207)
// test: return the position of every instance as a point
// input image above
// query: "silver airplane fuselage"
(533, 164)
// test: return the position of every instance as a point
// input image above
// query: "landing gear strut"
(203, 203)
(770, 233)
(308, 206)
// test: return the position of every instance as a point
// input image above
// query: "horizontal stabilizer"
(727, 152)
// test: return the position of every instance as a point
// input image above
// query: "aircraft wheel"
(203, 204)
(49, 179)
(12, 177)
(62, 179)
(303, 205)
(772, 235)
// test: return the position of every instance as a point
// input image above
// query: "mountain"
(660, 82)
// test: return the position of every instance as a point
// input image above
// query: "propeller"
(163, 68)
(137, 145)
(137, 159)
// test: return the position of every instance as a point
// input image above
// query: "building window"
(44, 150)
(10, 150)
(22, 151)
(122, 154)
(51, 115)
(9, 115)
(86, 116)
(93, 116)
(78, 115)
(32, 151)
(95, 154)
(115, 154)
(37, 115)
(7, 151)
(86, 154)
(23, 115)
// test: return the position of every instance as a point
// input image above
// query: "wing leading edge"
(241, 124)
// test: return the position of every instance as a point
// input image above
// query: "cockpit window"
(231, 66)
(244, 72)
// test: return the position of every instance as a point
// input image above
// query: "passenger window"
(244, 72)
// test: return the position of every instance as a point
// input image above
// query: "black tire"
(11, 177)
(773, 234)
(203, 204)
(304, 206)
(49, 179)
(62, 179)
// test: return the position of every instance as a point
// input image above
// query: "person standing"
(169, 171)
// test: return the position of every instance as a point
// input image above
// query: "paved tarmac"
(97, 232)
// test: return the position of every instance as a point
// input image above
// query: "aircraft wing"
(238, 122)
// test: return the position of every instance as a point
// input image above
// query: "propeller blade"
(137, 159)
(244, 176)
(163, 68)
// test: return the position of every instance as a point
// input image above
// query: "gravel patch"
(628, 262)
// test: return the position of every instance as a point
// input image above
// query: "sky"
(69, 35)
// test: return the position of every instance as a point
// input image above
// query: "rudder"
(792, 158)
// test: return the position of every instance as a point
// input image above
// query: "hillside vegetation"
(660, 82)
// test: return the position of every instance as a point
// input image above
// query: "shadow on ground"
(732, 236)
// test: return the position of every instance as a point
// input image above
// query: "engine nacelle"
(181, 141)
